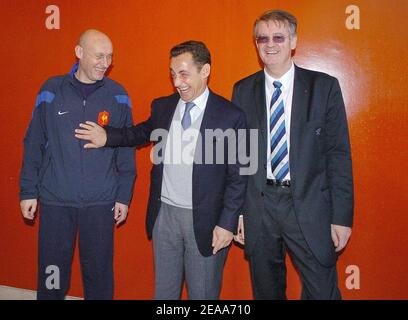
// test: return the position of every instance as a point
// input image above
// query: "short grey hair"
(279, 16)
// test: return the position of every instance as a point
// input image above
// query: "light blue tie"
(186, 121)
(279, 146)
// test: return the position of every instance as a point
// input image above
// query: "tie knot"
(277, 84)
(189, 105)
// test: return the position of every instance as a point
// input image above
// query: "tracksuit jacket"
(56, 168)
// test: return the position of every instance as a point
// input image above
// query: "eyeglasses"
(279, 38)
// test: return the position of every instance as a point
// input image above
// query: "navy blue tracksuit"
(77, 188)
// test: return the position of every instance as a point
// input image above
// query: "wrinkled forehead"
(182, 62)
(272, 26)
(99, 45)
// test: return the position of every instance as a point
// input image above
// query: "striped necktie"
(186, 121)
(279, 146)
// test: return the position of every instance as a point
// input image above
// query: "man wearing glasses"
(301, 198)
(78, 188)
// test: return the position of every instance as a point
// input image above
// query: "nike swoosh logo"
(61, 113)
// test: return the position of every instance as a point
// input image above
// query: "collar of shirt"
(286, 79)
(200, 102)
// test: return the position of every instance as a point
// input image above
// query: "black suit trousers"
(280, 233)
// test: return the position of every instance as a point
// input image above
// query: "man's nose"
(106, 62)
(270, 42)
(176, 81)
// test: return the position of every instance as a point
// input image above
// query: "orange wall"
(370, 64)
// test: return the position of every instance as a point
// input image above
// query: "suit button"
(262, 194)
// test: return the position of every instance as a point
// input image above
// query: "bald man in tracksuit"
(78, 188)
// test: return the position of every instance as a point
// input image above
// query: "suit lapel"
(209, 117)
(300, 102)
(209, 114)
(260, 104)
(167, 113)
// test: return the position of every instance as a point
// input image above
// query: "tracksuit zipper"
(82, 143)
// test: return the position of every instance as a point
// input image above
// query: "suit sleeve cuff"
(113, 137)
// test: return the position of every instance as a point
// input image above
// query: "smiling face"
(95, 57)
(276, 56)
(188, 78)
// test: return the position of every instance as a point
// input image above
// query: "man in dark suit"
(301, 198)
(194, 201)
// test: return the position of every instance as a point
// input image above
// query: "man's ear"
(256, 45)
(206, 70)
(79, 51)
(293, 42)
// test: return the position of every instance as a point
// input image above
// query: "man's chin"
(185, 97)
(98, 77)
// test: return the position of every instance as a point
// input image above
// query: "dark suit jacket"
(218, 189)
(319, 158)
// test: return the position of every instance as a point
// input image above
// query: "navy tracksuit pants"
(56, 242)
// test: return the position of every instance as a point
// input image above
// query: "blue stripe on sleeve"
(122, 98)
(44, 96)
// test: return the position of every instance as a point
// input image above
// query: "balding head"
(94, 51)
(90, 36)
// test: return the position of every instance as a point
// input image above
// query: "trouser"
(57, 233)
(280, 233)
(176, 256)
